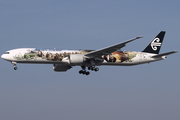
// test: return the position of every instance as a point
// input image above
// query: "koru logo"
(155, 43)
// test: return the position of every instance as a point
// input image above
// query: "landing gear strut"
(15, 67)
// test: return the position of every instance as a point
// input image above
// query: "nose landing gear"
(15, 67)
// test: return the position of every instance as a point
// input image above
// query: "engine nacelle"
(61, 68)
(76, 58)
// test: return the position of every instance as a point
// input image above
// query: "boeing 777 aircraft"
(63, 60)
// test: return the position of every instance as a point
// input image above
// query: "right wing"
(108, 50)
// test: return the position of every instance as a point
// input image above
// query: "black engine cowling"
(61, 68)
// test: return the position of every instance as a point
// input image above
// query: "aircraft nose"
(2, 56)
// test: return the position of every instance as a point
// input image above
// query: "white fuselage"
(32, 55)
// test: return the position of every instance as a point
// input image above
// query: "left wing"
(108, 50)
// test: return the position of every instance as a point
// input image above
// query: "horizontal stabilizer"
(164, 54)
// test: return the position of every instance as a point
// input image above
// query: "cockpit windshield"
(6, 53)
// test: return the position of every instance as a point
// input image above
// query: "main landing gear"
(15, 67)
(93, 68)
(84, 72)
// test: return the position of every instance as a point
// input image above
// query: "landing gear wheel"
(96, 69)
(87, 73)
(84, 72)
(15, 68)
(81, 72)
(89, 68)
(14, 63)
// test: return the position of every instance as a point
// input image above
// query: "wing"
(108, 50)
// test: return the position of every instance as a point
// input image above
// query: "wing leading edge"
(108, 50)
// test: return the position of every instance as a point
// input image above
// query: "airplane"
(64, 60)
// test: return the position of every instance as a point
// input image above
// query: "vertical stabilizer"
(155, 45)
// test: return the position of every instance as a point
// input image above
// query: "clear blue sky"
(36, 92)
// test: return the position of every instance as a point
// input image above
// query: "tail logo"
(155, 43)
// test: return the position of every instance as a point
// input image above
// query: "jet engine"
(61, 68)
(76, 58)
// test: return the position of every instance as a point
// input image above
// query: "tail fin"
(155, 45)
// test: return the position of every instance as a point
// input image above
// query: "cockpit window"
(6, 53)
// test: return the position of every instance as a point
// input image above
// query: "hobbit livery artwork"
(54, 55)
(63, 60)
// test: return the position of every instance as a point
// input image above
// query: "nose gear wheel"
(15, 67)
